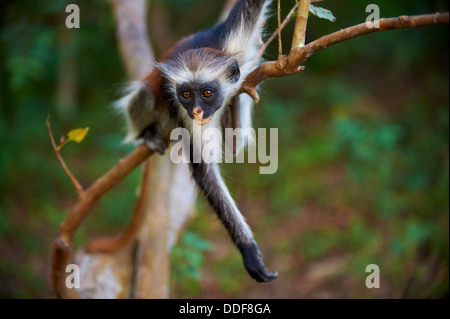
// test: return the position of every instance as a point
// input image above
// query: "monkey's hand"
(153, 139)
(254, 264)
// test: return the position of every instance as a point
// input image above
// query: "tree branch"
(63, 244)
(137, 56)
(299, 55)
(133, 37)
(127, 236)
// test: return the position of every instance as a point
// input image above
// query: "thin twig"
(285, 22)
(300, 24)
(280, 45)
(75, 183)
(276, 32)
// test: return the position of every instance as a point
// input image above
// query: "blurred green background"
(363, 155)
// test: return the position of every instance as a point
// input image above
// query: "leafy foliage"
(188, 260)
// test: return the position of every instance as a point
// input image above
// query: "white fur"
(245, 117)
(246, 42)
(206, 69)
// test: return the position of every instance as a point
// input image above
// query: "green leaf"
(322, 13)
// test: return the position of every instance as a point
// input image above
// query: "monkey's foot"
(154, 140)
(254, 264)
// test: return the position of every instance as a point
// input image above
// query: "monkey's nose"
(197, 112)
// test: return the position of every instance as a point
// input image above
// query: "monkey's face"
(201, 100)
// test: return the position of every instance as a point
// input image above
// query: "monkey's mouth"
(198, 117)
(202, 122)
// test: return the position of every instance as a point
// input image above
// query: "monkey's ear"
(234, 73)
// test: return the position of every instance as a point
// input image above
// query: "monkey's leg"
(211, 184)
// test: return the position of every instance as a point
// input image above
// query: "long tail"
(243, 27)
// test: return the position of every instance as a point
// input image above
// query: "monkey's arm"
(211, 184)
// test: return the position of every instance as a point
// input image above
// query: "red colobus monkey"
(193, 84)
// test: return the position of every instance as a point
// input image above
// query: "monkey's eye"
(186, 95)
(207, 93)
